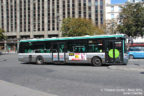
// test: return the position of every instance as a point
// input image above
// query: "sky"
(118, 1)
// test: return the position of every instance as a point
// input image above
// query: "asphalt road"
(73, 80)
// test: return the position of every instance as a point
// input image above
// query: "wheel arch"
(98, 64)
(97, 57)
(39, 56)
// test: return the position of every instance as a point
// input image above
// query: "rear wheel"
(39, 60)
(96, 61)
(131, 57)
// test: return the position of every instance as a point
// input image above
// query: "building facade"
(135, 1)
(113, 14)
(112, 17)
(42, 18)
(23, 19)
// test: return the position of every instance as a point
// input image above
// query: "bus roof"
(75, 38)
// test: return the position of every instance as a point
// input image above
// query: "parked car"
(136, 52)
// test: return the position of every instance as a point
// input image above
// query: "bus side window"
(96, 49)
(41, 51)
(83, 49)
(29, 50)
(75, 49)
(48, 48)
(26, 51)
(61, 48)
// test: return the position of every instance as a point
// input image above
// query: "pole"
(5, 46)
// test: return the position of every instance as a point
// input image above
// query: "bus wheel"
(39, 60)
(96, 61)
(131, 57)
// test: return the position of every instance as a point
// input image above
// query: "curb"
(10, 89)
(127, 68)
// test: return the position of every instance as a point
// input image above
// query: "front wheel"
(39, 60)
(96, 61)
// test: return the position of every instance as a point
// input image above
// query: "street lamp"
(113, 27)
(5, 46)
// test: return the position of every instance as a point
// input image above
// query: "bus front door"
(58, 53)
(114, 52)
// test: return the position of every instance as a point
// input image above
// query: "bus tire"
(131, 57)
(124, 64)
(39, 60)
(96, 61)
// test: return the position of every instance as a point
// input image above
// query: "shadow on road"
(141, 72)
(66, 64)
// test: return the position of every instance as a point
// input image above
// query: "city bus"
(96, 50)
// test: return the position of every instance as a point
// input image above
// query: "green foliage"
(132, 20)
(112, 26)
(1, 34)
(79, 27)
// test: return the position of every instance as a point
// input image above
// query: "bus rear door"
(114, 51)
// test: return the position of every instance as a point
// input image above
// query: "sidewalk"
(9, 89)
(13, 52)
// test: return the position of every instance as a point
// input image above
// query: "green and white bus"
(96, 50)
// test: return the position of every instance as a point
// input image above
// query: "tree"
(79, 27)
(112, 26)
(132, 19)
(1, 34)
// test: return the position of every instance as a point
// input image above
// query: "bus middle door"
(58, 53)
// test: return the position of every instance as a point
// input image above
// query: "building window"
(96, 2)
(11, 17)
(68, 8)
(21, 16)
(112, 16)
(34, 16)
(119, 8)
(63, 8)
(48, 15)
(96, 12)
(15, 15)
(89, 9)
(79, 8)
(112, 8)
(73, 8)
(2, 15)
(53, 15)
(57, 17)
(29, 16)
(84, 8)
(38, 18)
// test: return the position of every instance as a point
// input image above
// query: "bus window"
(48, 48)
(61, 48)
(95, 46)
(79, 49)
(38, 48)
(77, 46)
(24, 47)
